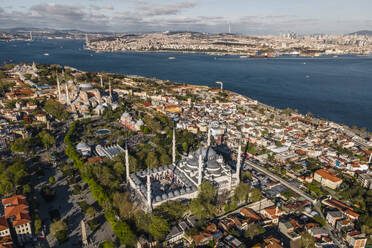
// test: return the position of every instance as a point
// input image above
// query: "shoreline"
(227, 54)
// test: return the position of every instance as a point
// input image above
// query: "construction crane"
(220, 83)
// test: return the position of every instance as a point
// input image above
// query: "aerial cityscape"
(108, 139)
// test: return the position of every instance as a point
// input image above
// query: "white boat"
(46, 54)
(171, 58)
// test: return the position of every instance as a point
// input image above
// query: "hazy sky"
(245, 16)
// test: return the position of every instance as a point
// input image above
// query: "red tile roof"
(16, 207)
(327, 175)
(3, 224)
(14, 200)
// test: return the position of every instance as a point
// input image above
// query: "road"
(66, 203)
(281, 180)
(256, 206)
(298, 191)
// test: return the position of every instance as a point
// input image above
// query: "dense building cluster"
(290, 44)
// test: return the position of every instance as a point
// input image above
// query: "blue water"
(338, 89)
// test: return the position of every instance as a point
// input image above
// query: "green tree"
(47, 139)
(207, 192)
(165, 159)
(307, 240)
(246, 175)
(91, 211)
(319, 220)
(255, 195)
(242, 192)
(59, 230)
(119, 168)
(202, 209)
(122, 202)
(158, 228)
(170, 211)
(185, 147)
(37, 225)
(52, 180)
(152, 160)
(56, 109)
(107, 244)
(253, 230)
(124, 234)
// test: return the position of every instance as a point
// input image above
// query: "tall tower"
(110, 92)
(101, 80)
(229, 28)
(174, 147)
(58, 88)
(209, 137)
(67, 95)
(84, 237)
(148, 189)
(200, 172)
(127, 162)
(30, 35)
(86, 39)
(238, 163)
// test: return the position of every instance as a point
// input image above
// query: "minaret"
(127, 162)
(84, 237)
(110, 93)
(230, 182)
(209, 137)
(100, 76)
(58, 88)
(200, 172)
(86, 39)
(67, 95)
(148, 189)
(238, 163)
(174, 147)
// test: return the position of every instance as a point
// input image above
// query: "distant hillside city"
(292, 44)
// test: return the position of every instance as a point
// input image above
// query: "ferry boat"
(171, 58)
